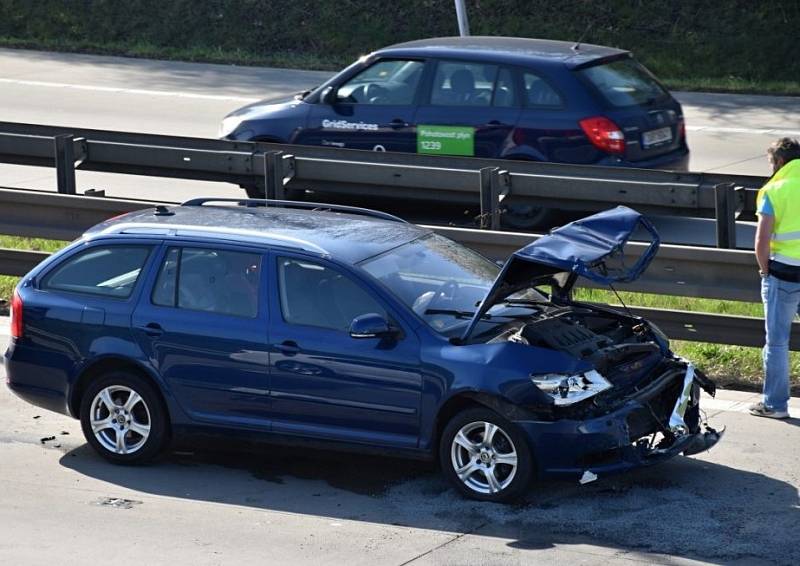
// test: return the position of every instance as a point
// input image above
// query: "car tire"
(519, 217)
(123, 418)
(493, 473)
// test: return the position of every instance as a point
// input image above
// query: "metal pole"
(65, 164)
(725, 212)
(463, 22)
(490, 198)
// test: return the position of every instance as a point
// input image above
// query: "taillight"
(681, 128)
(604, 134)
(17, 323)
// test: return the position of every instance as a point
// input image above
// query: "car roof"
(517, 50)
(344, 236)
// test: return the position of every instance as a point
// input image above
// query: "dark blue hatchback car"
(497, 97)
(342, 326)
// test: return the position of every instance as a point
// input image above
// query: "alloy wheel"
(484, 457)
(120, 419)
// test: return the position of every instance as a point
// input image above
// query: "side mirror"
(370, 325)
(328, 95)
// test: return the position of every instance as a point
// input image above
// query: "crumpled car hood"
(591, 247)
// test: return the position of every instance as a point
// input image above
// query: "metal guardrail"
(677, 270)
(440, 179)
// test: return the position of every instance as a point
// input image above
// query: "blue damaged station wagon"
(496, 97)
(303, 323)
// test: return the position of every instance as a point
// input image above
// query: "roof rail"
(252, 202)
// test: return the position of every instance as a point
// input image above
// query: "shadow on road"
(685, 507)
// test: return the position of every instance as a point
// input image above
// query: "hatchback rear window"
(624, 83)
(109, 271)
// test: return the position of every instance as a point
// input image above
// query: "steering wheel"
(376, 94)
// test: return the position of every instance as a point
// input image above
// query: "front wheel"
(485, 456)
(123, 418)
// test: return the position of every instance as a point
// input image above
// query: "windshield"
(624, 83)
(443, 282)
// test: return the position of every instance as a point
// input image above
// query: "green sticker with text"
(446, 140)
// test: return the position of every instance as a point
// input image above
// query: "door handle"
(398, 123)
(495, 123)
(152, 329)
(288, 348)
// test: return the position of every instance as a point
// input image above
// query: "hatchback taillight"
(17, 323)
(604, 134)
(681, 128)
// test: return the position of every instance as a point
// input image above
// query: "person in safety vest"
(778, 256)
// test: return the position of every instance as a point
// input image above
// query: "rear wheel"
(528, 217)
(485, 456)
(123, 418)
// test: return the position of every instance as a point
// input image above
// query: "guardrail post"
(494, 188)
(65, 163)
(725, 212)
(278, 170)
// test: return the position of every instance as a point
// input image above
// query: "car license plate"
(655, 137)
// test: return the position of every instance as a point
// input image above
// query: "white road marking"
(247, 99)
(135, 91)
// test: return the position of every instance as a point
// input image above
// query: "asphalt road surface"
(60, 503)
(727, 133)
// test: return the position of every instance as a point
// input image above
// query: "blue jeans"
(781, 300)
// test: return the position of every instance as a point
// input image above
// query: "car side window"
(106, 271)
(314, 295)
(539, 93)
(218, 281)
(505, 92)
(463, 84)
(388, 82)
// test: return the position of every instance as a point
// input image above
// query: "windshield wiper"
(523, 302)
(457, 313)
(470, 314)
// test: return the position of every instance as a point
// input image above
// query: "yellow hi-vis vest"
(784, 196)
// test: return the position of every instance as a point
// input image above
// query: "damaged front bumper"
(650, 426)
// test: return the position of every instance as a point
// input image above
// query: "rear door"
(650, 118)
(471, 110)
(373, 110)
(203, 324)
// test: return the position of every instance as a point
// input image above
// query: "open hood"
(591, 247)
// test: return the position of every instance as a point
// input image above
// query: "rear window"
(624, 83)
(107, 271)
(217, 281)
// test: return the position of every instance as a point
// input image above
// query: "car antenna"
(577, 45)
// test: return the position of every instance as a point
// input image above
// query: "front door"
(327, 384)
(373, 110)
(204, 327)
(472, 110)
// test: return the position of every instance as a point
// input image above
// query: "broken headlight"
(568, 389)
